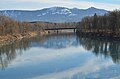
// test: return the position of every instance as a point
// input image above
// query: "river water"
(60, 56)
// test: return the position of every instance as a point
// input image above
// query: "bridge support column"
(74, 30)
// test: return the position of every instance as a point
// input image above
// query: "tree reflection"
(100, 46)
(9, 52)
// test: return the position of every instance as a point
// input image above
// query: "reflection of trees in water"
(60, 41)
(99, 47)
(10, 52)
(102, 47)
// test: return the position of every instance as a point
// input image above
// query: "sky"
(40, 4)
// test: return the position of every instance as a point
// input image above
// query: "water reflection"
(56, 41)
(96, 45)
(63, 56)
(100, 46)
(9, 52)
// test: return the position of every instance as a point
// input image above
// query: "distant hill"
(53, 14)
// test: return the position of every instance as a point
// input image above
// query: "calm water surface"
(62, 56)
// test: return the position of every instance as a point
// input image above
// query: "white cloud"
(38, 4)
(90, 66)
(42, 55)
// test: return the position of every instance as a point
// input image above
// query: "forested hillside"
(106, 25)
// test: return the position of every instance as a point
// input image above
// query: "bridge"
(74, 28)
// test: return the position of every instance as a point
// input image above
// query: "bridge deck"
(59, 28)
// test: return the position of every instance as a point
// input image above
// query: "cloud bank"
(39, 4)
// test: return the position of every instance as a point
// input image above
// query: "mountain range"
(53, 14)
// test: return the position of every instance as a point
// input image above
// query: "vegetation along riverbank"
(107, 25)
(11, 30)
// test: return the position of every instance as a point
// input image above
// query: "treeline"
(107, 25)
(10, 26)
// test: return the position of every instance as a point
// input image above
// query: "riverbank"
(105, 35)
(9, 39)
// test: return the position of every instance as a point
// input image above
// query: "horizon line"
(53, 7)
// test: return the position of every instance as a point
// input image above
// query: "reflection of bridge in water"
(57, 29)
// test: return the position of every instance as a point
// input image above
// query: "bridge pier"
(74, 30)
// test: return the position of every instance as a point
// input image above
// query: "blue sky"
(104, 1)
(39, 4)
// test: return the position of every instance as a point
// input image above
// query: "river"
(60, 56)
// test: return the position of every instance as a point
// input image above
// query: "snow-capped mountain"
(53, 14)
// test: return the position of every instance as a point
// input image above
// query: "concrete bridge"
(74, 29)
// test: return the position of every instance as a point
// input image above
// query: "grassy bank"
(11, 38)
(8, 39)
